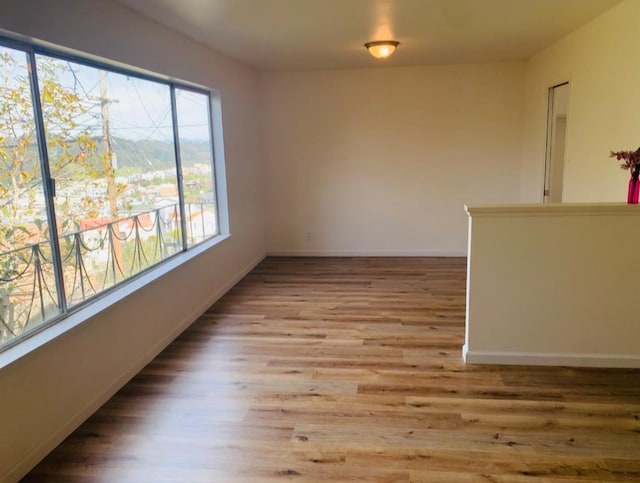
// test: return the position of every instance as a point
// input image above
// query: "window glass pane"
(28, 294)
(111, 152)
(196, 154)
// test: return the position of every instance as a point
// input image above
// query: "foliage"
(72, 150)
(631, 160)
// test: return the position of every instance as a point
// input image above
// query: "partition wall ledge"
(554, 209)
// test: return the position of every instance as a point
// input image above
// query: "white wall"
(381, 161)
(46, 393)
(602, 62)
(554, 284)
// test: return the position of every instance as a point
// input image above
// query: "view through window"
(103, 174)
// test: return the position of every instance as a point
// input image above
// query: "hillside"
(157, 154)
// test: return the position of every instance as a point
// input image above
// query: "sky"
(139, 109)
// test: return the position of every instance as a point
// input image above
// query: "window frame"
(69, 317)
(214, 165)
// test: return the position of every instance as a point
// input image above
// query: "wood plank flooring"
(349, 369)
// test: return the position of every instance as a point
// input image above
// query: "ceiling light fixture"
(381, 49)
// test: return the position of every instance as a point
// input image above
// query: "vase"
(634, 190)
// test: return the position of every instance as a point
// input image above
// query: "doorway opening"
(557, 112)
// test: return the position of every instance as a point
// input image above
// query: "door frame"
(546, 180)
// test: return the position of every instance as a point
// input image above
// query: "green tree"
(72, 149)
(26, 272)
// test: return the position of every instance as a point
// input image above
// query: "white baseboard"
(551, 359)
(367, 253)
(20, 469)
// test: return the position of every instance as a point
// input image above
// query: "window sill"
(50, 333)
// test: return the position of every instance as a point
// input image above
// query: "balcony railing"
(93, 260)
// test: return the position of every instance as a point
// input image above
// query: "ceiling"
(329, 34)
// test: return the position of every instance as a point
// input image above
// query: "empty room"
(319, 240)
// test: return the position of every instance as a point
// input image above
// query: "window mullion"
(48, 182)
(214, 172)
(176, 145)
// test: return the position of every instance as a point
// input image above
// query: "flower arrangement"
(631, 161)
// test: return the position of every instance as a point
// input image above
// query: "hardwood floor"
(338, 369)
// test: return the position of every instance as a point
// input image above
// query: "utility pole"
(110, 171)
(106, 146)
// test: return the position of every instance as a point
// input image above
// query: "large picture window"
(104, 173)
